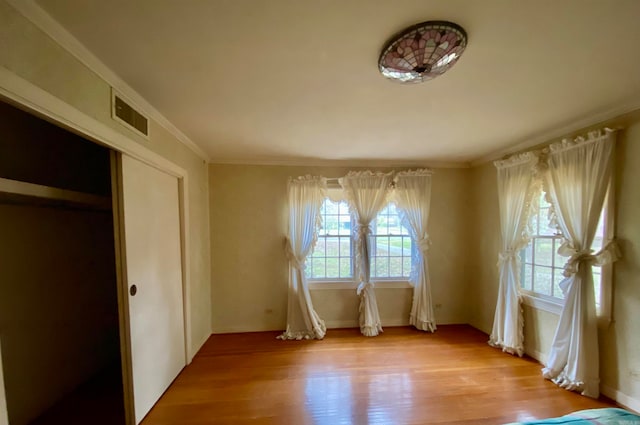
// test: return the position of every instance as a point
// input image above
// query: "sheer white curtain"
(367, 193)
(306, 195)
(516, 190)
(577, 180)
(412, 196)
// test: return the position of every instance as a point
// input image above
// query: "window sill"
(544, 304)
(333, 284)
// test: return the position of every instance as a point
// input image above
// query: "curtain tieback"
(608, 254)
(363, 230)
(300, 265)
(363, 286)
(508, 255)
(424, 243)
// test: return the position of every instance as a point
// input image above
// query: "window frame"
(350, 283)
(604, 308)
(351, 278)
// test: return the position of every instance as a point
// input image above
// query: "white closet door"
(150, 203)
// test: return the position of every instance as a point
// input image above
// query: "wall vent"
(127, 115)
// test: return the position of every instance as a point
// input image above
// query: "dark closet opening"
(59, 330)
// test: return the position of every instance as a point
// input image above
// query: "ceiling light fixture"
(422, 52)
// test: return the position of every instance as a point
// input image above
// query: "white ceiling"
(297, 80)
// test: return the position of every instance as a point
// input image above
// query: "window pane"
(406, 246)
(406, 266)
(380, 246)
(597, 284)
(345, 267)
(343, 208)
(331, 207)
(559, 260)
(319, 250)
(395, 266)
(380, 225)
(395, 245)
(528, 254)
(331, 224)
(395, 228)
(332, 267)
(542, 282)
(543, 251)
(557, 278)
(318, 268)
(345, 225)
(332, 247)
(382, 267)
(526, 280)
(345, 247)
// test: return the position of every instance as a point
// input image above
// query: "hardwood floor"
(400, 377)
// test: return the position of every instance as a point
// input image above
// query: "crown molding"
(296, 162)
(41, 19)
(560, 131)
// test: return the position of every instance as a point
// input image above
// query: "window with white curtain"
(333, 257)
(391, 248)
(542, 266)
(333, 252)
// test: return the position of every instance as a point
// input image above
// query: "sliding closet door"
(153, 275)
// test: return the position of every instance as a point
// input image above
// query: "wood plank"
(402, 376)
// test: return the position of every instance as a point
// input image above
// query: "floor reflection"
(329, 398)
(389, 397)
(332, 397)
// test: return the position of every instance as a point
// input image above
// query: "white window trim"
(554, 305)
(542, 302)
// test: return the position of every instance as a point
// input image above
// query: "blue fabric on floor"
(607, 416)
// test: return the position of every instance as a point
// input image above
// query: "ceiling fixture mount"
(422, 52)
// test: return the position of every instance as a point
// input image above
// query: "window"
(333, 257)
(542, 266)
(333, 252)
(390, 245)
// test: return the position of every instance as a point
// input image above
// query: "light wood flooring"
(402, 376)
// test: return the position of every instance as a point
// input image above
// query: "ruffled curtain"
(367, 194)
(412, 196)
(577, 180)
(516, 191)
(306, 195)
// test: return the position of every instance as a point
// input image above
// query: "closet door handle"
(133, 290)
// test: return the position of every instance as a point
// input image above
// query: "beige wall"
(620, 342)
(58, 303)
(249, 267)
(32, 55)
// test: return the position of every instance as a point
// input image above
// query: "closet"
(59, 318)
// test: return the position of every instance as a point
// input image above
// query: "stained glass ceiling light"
(422, 52)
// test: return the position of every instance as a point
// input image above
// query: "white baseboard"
(198, 346)
(337, 324)
(245, 329)
(618, 396)
(537, 355)
(621, 398)
(353, 323)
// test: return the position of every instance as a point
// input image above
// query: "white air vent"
(126, 115)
